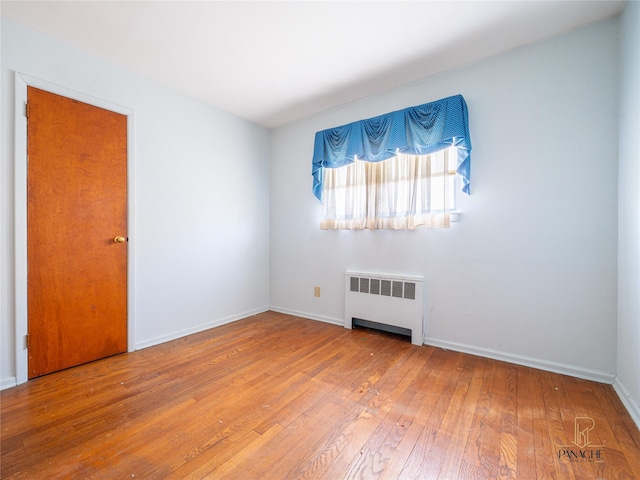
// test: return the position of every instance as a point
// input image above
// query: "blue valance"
(418, 130)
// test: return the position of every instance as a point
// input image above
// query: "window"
(413, 152)
(402, 192)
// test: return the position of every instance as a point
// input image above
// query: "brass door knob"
(119, 239)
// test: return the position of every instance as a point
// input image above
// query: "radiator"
(387, 300)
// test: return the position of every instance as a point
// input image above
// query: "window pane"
(401, 192)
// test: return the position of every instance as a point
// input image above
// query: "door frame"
(21, 82)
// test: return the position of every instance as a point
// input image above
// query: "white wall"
(628, 381)
(201, 196)
(529, 273)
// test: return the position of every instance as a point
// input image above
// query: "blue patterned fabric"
(418, 130)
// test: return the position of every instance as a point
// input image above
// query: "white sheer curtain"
(400, 193)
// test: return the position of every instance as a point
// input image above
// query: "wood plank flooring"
(279, 397)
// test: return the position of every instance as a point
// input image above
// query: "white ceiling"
(273, 62)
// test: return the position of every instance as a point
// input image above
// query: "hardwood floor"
(280, 397)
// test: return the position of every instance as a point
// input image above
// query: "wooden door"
(76, 206)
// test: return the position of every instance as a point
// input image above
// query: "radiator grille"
(364, 285)
(388, 288)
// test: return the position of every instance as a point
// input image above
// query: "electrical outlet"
(316, 291)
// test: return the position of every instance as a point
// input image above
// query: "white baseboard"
(549, 366)
(200, 328)
(310, 316)
(7, 383)
(632, 405)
